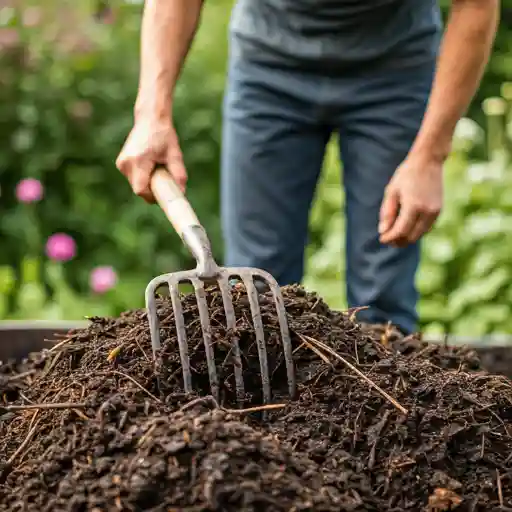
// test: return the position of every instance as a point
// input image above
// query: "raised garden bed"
(18, 338)
(387, 424)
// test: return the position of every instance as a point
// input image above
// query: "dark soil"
(495, 359)
(99, 427)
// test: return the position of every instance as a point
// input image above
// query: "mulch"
(382, 422)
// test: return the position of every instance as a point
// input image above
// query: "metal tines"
(184, 220)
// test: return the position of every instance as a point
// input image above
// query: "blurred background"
(75, 242)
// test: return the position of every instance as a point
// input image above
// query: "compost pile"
(381, 423)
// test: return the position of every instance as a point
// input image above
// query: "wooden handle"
(172, 201)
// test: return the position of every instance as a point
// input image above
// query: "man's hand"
(412, 201)
(149, 144)
(413, 198)
(168, 27)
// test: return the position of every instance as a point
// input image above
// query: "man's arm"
(168, 28)
(465, 51)
(413, 198)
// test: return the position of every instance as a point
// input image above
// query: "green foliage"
(465, 275)
(66, 98)
(66, 106)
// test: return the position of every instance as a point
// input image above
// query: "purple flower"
(60, 247)
(29, 190)
(102, 279)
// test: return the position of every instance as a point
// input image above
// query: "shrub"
(67, 101)
(68, 82)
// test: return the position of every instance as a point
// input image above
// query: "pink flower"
(29, 190)
(32, 17)
(102, 279)
(9, 38)
(60, 247)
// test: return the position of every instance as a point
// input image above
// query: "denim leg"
(377, 128)
(272, 153)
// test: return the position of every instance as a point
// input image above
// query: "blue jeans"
(277, 123)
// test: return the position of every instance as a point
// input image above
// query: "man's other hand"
(412, 201)
(149, 144)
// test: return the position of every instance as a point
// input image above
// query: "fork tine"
(248, 276)
(151, 307)
(231, 325)
(207, 335)
(285, 336)
(154, 324)
(181, 334)
(252, 294)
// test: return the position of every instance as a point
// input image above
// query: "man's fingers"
(388, 211)
(139, 175)
(399, 233)
(145, 148)
(176, 167)
(424, 225)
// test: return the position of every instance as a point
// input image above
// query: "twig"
(80, 414)
(324, 358)
(500, 490)
(140, 386)
(254, 409)
(58, 345)
(201, 400)
(133, 331)
(354, 311)
(146, 436)
(27, 439)
(141, 349)
(215, 405)
(358, 372)
(21, 375)
(49, 367)
(63, 405)
(421, 352)
(25, 397)
(356, 351)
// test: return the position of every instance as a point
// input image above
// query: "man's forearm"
(464, 54)
(168, 28)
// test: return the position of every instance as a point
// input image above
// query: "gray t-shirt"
(337, 33)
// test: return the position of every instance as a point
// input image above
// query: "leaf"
(470, 326)
(484, 262)
(7, 279)
(434, 329)
(432, 310)
(31, 299)
(439, 249)
(477, 291)
(431, 278)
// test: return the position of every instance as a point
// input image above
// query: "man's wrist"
(431, 150)
(152, 109)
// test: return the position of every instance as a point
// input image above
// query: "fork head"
(224, 276)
